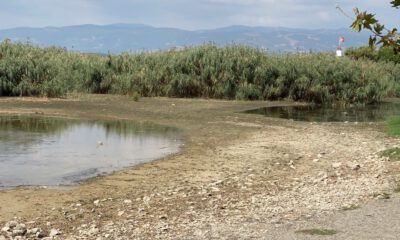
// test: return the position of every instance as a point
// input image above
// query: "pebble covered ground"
(264, 177)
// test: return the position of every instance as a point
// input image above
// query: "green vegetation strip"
(393, 126)
(383, 54)
(232, 72)
(317, 231)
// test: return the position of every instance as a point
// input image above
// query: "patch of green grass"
(135, 96)
(393, 154)
(318, 231)
(350, 208)
(393, 126)
(385, 195)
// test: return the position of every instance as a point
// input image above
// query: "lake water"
(39, 151)
(310, 113)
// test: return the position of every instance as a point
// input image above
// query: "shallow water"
(38, 151)
(371, 113)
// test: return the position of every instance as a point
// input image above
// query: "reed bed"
(207, 71)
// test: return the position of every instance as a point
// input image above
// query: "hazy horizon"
(190, 14)
(149, 25)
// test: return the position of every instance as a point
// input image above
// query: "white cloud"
(189, 14)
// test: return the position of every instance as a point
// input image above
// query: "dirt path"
(377, 219)
(240, 176)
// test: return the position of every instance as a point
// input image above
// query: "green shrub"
(135, 96)
(231, 72)
(362, 53)
(248, 91)
(387, 54)
(381, 54)
(184, 85)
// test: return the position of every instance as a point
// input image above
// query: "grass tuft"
(318, 231)
(135, 96)
(350, 208)
(393, 126)
(385, 195)
(393, 154)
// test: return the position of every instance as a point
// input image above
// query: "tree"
(381, 35)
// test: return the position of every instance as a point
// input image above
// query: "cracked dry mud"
(239, 176)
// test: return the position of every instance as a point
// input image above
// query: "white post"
(339, 50)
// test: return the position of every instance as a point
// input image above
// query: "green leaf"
(365, 20)
(357, 25)
(378, 28)
(370, 18)
(395, 3)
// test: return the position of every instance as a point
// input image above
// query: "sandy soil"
(239, 176)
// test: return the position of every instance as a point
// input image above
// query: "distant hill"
(118, 38)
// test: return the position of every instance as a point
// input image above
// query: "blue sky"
(190, 14)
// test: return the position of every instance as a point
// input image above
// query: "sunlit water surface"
(38, 151)
(310, 113)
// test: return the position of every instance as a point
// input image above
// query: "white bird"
(99, 143)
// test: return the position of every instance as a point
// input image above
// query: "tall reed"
(231, 72)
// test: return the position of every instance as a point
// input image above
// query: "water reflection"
(312, 113)
(54, 151)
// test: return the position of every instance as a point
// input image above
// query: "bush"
(382, 54)
(232, 72)
(362, 53)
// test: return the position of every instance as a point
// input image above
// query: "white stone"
(20, 227)
(34, 231)
(336, 165)
(120, 213)
(93, 231)
(11, 224)
(18, 232)
(54, 232)
(354, 166)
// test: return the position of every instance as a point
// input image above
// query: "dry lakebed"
(237, 176)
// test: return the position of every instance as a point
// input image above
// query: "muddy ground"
(239, 176)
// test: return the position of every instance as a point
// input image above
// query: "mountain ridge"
(123, 37)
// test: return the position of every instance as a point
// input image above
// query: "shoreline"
(237, 173)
